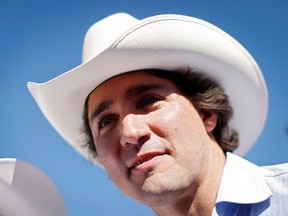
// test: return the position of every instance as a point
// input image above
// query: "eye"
(106, 121)
(148, 100)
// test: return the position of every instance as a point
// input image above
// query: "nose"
(135, 130)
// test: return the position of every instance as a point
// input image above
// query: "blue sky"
(42, 39)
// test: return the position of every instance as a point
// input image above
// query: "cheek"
(173, 119)
(180, 123)
(110, 159)
(112, 164)
(108, 152)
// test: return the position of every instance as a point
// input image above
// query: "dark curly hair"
(204, 93)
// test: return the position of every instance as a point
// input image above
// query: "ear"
(209, 119)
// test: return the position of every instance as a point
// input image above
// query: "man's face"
(149, 137)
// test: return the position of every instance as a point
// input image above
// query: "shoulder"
(276, 177)
(280, 170)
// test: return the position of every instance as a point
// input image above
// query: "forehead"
(116, 86)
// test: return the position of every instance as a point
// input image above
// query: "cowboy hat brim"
(169, 42)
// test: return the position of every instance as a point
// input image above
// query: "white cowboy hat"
(26, 190)
(121, 43)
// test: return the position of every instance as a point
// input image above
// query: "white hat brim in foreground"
(26, 190)
(169, 42)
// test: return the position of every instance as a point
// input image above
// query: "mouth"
(144, 161)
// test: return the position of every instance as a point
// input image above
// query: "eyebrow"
(139, 89)
(131, 92)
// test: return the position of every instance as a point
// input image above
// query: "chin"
(160, 190)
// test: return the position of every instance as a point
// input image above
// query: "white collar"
(242, 182)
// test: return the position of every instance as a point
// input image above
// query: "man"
(159, 104)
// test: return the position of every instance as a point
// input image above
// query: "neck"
(200, 198)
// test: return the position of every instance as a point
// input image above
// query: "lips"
(140, 159)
